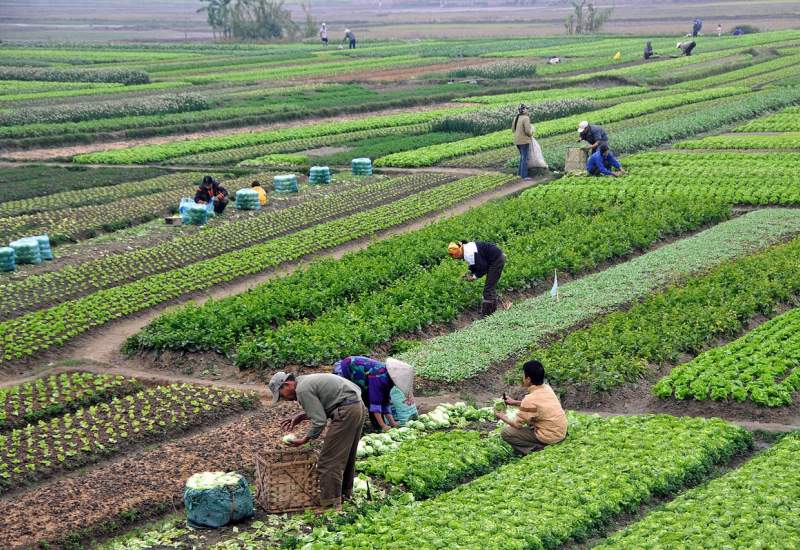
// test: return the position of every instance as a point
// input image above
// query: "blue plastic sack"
(401, 411)
(215, 499)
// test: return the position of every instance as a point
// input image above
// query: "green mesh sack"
(215, 499)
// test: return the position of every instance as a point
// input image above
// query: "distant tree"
(586, 18)
(249, 19)
(218, 13)
(309, 23)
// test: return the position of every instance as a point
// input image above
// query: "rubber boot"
(488, 307)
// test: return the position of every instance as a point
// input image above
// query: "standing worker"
(719, 30)
(541, 420)
(323, 397)
(592, 134)
(602, 162)
(350, 36)
(648, 50)
(211, 191)
(376, 381)
(698, 24)
(523, 133)
(323, 35)
(483, 259)
(687, 47)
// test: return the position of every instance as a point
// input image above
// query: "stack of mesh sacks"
(197, 214)
(319, 175)
(247, 199)
(44, 247)
(8, 259)
(285, 184)
(27, 251)
(361, 167)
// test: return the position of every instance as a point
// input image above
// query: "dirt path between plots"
(103, 345)
(138, 485)
(45, 153)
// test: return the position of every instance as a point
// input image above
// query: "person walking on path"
(323, 35)
(211, 191)
(323, 397)
(350, 36)
(483, 259)
(602, 163)
(376, 381)
(541, 420)
(523, 133)
(592, 134)
(687, 47)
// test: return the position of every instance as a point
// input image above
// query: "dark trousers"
(352, 45)
(490, 287)
(524, 151)
(220, 205)
(595, 171)
(337, 461)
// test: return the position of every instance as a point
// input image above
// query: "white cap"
(582, 126)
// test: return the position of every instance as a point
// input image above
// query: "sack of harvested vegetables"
(215, 499)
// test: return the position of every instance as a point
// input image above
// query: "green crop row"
(789, 140)
(429, 156)
(57, 394)
(72, 440)
(232, 156)
(26, 181)
(683, 319)
(536, 96)
(77, 223)
(36, 291)
(81, 90)
(95, 195)
(158, 153)
(329, 284)
(758, 72)
(76, 112)
(496, 70)
(28, 334)
(577, 244)
(123, 76)
(472, 350)
(763, 366)
(567, 492)
(438, 462)
(754, 506)
(494, 118)
(787, 120)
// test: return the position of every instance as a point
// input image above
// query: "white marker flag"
(554, 290)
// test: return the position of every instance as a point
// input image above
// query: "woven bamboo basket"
(287, 480)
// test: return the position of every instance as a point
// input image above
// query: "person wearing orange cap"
(483, 259)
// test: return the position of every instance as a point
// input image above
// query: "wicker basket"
(287, 480)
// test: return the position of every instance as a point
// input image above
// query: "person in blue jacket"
(602, 163)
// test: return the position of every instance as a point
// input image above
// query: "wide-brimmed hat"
(402, 374)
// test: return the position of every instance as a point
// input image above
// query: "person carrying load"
(326, 396)
(602, 163)
(592, 134)
(483, 259)
(686, 47)
(523, 134)
(211, 191)
(376, 381)
(541, 420)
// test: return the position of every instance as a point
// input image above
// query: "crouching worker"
(375, 381)
(323, 397)
(603, 163)
(483, 259)
(540, 421)
(211, 191)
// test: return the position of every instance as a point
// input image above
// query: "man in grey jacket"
(323, 397)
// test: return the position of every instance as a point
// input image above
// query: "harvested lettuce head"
(211, 480)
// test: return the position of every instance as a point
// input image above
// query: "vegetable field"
(136, 339)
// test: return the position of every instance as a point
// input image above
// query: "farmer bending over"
(686, 47)
(592, 134)
(376, 380)
(211, 191)
(325, 396)
(540, 421)
(483, 259)
(602, 163)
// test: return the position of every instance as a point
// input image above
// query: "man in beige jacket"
(523, 132)
(540, 421)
